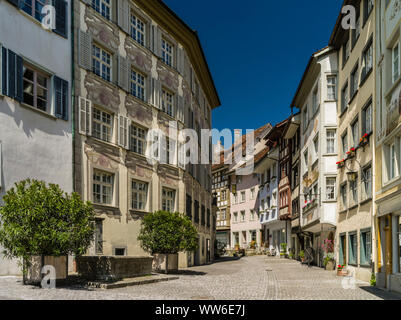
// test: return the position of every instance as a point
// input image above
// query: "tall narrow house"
(356, 139)
(388, 146)
(139, 67)
(35, 106)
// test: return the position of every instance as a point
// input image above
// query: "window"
(367, 60)
(101, 62)
(252, 215)
(223, 195)
(35, 88)
(367, 119)
(235, 216)
(102, 125)
(306, 160)
(315, 100)
(330, 188)
(343, 250)
(167, 52)
(98, 236)
(366, 247)
(168, 199)
(262, 205)
(344, 200)
(352, 249)
(305, 118)
(253, 194)
(139, 195)
(367, 182)
(33, 8)
(331, 87)
(316, 145)
(354, 191)
(223, 214)
(367, 9)
(344, 141)
(167, 103)
(357, 31)
(396, 62)
(243, 216)
(236, 198)
(392, 162)
(355, 133)
(331, 141)
(354, 81)
(346, 52)
(268, 202)
(344, 98)
(137, 30)
(138, 85)
(119, 251)
(102, 187)
(243, 196)
(103, 7)
(138, 140)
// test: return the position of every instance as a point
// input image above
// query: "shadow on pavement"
(385, 295)
(226, 259)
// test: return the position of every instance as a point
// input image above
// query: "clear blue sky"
(257, 52)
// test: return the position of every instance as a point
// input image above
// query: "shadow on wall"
(58, 127)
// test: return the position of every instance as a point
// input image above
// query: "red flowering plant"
(364, 140)
(340, 267)
(340, 163)
(328, 251)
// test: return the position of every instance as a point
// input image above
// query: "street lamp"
(352, 176)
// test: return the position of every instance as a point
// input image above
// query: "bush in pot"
(167, 233)
(43, 221)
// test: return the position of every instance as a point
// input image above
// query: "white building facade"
(35, 112)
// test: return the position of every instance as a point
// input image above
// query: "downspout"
(73, 94)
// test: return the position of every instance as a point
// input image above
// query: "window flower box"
(364, 140)
(341, 164)
(351, 153)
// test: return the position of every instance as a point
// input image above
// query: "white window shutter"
(123, 131)
(180, 109)
(123, 72)
(157, 99)
(158, 42)
(127, 134)
(82, 115)
(89, 116)
(85, 50)
(149, 89)
(123, 15)
(180, 60)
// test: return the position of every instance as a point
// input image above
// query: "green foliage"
(167, 233)
(43, 220)
(283, 247)
(302, 254)
(373, 280)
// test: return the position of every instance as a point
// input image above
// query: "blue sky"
(257, 52)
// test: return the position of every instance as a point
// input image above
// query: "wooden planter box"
(34, 274)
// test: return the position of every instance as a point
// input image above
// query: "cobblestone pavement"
(254, 278)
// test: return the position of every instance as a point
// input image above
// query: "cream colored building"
(356, 107)
(388, 147)
(139, 67)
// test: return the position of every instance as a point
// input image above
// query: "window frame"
(168, 106)
(354, 261)
(393, 78)
(333, 191)
(107, 4)
(33, 10)
(331, 140)
(104, 185)
(139, 139)
(345, 93)
(35, 84)
(354, 81)
(167, 52)
(107, 64)
(331, 85)
(140, 193)
(135, 29)
(168, 199)
(102, 124)
(138, 85)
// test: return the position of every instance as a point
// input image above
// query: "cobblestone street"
(253, 278)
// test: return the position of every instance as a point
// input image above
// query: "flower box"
(341, 164)
(364, 140)
(351, 153)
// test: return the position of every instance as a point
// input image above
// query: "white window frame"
(395, 73)
(139, 193)
(103, 124)
(168, 199)
(331, 86)
(168, 102)
(167, 52)
(36, 87)
(331, 141)
(104, 185)
(331, 194)
(138, 84)
(243, 196)
(104, 8)
(104, 59)
(138, 139)
(137, 29)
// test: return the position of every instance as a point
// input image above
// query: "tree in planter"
(40, 220)
(167, 233)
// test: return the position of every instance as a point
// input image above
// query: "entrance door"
(343, 251)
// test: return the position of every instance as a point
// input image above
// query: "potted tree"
(164, 234)
(302, 255)
(283, 253)
(42, 225)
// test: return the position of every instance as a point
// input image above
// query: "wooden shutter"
(123, 15)
(12, 74)
(61, 7)
(85, 116)
(123, 74)
(14, 2)
(180, 109)
(123, 131)
(19, 96)
(149, 89)
(85, 49)
(114, 69)
(180, 60)
(114, 11)
(158, 42)
(4, 64)
(60, 98)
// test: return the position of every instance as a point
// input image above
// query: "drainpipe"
(72, 95)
